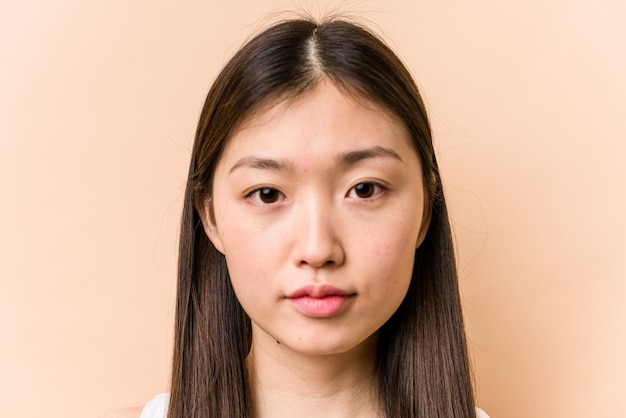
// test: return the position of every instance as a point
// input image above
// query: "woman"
(316, 271)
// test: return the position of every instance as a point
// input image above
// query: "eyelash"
(256, 195)
(378, 188)
(275, 194)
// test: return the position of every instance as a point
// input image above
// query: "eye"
(265, 195)
(366, 190)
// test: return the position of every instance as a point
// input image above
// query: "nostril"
(320, 264)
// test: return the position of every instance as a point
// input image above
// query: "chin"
(329, 346)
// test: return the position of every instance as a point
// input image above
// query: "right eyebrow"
(261, 164)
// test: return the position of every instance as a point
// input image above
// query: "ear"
(429, 184)
(426, 218)
(204, 207)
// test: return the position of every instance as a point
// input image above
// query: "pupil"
(268, 195)
(364, 190)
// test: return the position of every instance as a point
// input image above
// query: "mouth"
(321, 301)
(319, 291)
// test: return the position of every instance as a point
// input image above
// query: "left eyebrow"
(354, 157)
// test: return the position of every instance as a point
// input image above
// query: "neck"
(284, 383)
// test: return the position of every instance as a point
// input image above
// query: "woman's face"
(318, 208)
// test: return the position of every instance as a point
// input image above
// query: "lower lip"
(323, 307)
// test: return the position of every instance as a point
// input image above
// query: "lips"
(321, 301)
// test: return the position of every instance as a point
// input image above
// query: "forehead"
(326, 119)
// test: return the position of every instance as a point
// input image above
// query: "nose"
(317, 241)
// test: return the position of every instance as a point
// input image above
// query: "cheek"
(243, 252)
(248, 274)
(390, 253)
(394, 241)
(251, 257)
(394, 263)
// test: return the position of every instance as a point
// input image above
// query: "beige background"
(98, 102)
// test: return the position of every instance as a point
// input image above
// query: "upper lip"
(319, 291)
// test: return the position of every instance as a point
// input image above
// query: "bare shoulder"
(134, 412)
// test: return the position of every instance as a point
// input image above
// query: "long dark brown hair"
(422, 364)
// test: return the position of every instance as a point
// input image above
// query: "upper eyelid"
(249, 194)
(378, 183)
(384, 188)
(382, 185)
(255, 189)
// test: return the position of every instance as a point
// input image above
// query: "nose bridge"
(318, 242)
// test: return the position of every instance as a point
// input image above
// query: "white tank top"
(157, 408)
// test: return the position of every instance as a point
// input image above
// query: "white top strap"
(481, 414)
(157, 407)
